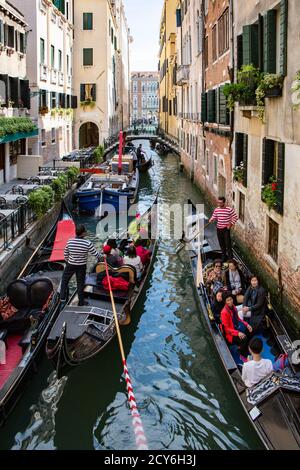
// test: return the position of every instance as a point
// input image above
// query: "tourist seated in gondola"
(236, 331)
(258, 368)
(132, 259)
(112, 242)
(142, 252)
(255, 302)
(217, 305)
(216, 279)
(235, 281)
(113, 260)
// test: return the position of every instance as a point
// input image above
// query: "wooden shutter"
(14, 90)
(25, 93)
(223, 111)
(82, 92)
(211, 106)
(93, 92)
(239, 51)
(74, 104)
(283, 36)
(204, 107)
(267, 160)
(270, 41)
(245, 158)
(250, 45)
(280, 177)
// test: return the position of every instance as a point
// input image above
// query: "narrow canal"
(184, 396)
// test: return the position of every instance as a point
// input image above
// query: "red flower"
(274, 186)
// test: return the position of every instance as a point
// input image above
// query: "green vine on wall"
(14, 125)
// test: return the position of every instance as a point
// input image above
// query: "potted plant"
(53, 112)
(98, 154)
(88, 102)
(244, 90)
(10, 103)
(270, 86)
(60, 111)
(43, 110)
(239, 173)
(269, 193)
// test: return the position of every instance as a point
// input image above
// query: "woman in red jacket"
(236, 331)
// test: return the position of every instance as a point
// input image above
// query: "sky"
(144, 21)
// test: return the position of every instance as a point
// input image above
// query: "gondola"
(144, 166)
(36, 302)
(273, 405)
(80, 333)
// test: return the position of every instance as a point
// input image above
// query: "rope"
(137, 424)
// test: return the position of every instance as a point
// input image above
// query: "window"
(43, 99)
(1, 32)
(22, 43)
(87, 21)
(273, 166)
(10, 36)
(242, 207)
(223, 32)
(273, 239)
(206, 52)
(214, 44)
(16, 40)
(53, 135)
(88, 92)
(43, 138)
(59, 60)
(241, 155)
(88, 57)
(53, 100)
(216, 160)
(52, 57)
(42, 51)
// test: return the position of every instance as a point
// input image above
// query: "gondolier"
(226, 218)
(76, 255)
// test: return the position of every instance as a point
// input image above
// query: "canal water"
(184, 397)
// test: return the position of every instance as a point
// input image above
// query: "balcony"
(183, 74)
(53, 77)
(43, 72)
(60, 78)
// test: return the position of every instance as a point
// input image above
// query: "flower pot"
(273, 92)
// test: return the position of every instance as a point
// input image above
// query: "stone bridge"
(172, 145)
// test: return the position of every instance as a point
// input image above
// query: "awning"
(65, 230)
(18, 136)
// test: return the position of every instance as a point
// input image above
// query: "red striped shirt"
(224, 216)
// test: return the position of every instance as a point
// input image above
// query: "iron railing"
(15, 224)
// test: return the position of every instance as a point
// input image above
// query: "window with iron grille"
(273, 239)
(223, 32)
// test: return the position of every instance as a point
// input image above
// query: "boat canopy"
(65, 230)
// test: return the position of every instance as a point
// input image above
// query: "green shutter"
(14, 83)
(270, 41)
(239, 148)
(283, 36)
(82, 92)
(204, 107)
(211, 106)
(223, 111)
(280, 178)
(4, 88)
(245, 158)
(25, 93)
(267, 160)
(239, 51)
(250, 45)
(93, 92)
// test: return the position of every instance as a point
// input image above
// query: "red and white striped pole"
(140, 438)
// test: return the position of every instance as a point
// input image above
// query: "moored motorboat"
(30, 308)
(273, 405)
(80, 333)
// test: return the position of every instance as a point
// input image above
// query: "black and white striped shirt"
(77, 250)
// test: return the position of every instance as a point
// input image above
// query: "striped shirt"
(224, 216)
(77, 250)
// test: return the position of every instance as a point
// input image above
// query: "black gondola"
(80, 333)
(145, 165)
(34, 295)
(273, 405)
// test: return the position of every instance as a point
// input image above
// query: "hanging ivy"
(15, 125)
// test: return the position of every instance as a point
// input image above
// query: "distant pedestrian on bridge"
(226, 218)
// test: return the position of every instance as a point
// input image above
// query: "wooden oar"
(184, 242)
(140, 437)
